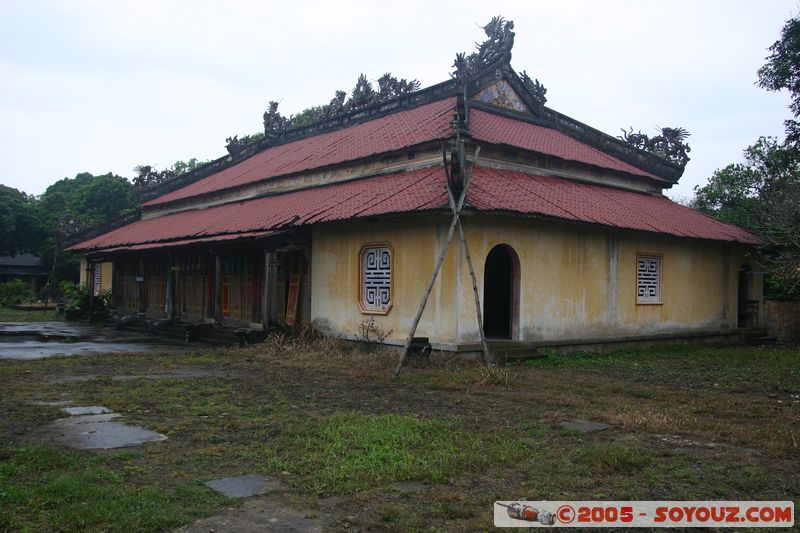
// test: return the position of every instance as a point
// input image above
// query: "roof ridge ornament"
(495, 49)
(670, 144)
(537, 90)
(362, 96)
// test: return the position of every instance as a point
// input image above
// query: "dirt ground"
(685, 423)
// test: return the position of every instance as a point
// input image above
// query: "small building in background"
(26, 267)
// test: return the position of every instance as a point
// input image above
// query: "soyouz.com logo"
(643, 514)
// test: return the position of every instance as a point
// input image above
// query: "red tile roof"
(188, 242)
(422, 190)
(416, 190)
(393, 132)
(505, 190)
(497, 129)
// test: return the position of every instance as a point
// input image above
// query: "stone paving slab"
(584, 426)
(246, 486)
(87, 410)
(101, 431)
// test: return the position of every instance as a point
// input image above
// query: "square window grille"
(648, 280)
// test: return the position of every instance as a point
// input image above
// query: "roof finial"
(495, 49)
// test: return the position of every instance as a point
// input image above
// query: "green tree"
(782, 71)
(22, 226)
(307, 116)
(763, 194)
(147, 176)
(92, 200)
(88, 201)
(737, 193)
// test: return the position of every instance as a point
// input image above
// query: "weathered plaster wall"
(575, 281)
(416, 243)
(106, 273)
(82, 274)
(579, 281)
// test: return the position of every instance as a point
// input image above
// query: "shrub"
(368, 331)
(14, 292)
(79, 304)
(68, 290)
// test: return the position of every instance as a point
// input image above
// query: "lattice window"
(648, 280)
(376, 279)
(98, 278)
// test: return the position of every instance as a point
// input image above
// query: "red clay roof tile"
(496, 129)
(417, 190)
(506, 190)
(386, 134)
(421, 190)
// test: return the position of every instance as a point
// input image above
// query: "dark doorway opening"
(500, 293)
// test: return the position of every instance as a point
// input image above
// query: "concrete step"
(765, 339)
(506, 350)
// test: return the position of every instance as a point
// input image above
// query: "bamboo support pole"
(486, 354)
(456, 209)
(421, 309)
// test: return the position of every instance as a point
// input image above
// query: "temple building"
(343, 220)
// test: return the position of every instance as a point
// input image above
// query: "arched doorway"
(501, 293)
(745, 299)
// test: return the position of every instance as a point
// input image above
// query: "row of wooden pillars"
(256, 293)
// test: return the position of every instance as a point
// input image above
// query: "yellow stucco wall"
(106, 273)
(575, 281)
(579, 281)
(335, 277)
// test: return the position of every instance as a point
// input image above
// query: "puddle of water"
(27, 341)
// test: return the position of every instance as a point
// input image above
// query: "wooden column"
(115, 273)
(218, 287)
(266, 287)
(168, 300)
(90, 282)
(208, 300)
(254, 275)
(176, 299)
(271, 290)
(140, 284)
(307, 296)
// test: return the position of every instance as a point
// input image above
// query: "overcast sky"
(102, 86)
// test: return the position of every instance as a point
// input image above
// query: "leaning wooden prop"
(456, 208)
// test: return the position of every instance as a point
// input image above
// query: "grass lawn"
(687, 423)
(8, 314)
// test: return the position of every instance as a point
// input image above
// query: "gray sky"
(105, 85)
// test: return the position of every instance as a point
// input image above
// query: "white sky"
(105, 85)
